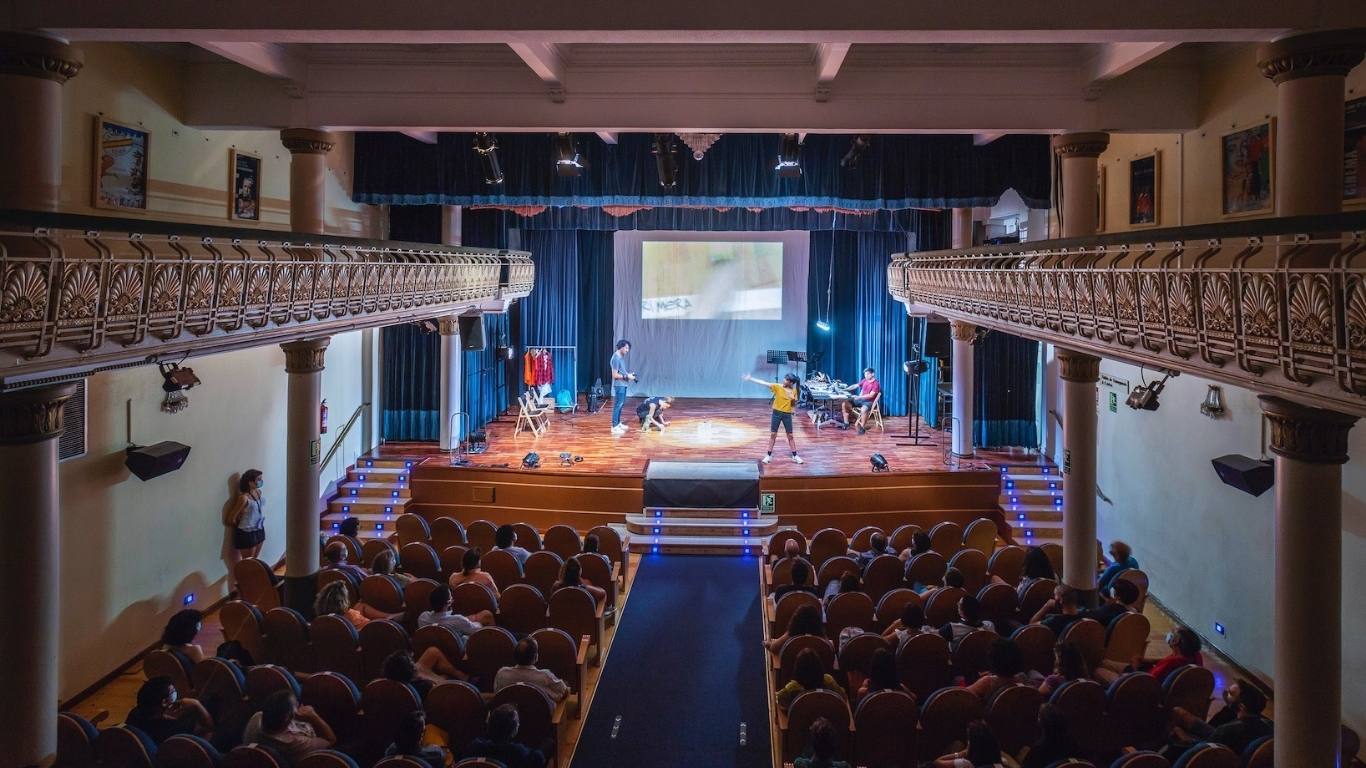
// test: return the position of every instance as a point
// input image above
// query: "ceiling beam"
(983, 139)
(1111, 60)
(608, 137)
(417, 134)
(829, 59)
(269, 59)
(545, 60)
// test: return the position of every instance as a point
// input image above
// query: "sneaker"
(862, 431)
(768, 457)
(797, 459)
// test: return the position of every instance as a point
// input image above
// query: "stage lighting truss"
(790, 157)
(486, 147)
(665, 161)
(568, 161)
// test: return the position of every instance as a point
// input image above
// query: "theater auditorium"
(776, 384)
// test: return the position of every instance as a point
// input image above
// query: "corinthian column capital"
(31, 415)
(1313, 435)
(962, 330)
(306, 141)
(1312, 54)
(1078, 366)
(305, 355)
(38, 56)
(1083, 144)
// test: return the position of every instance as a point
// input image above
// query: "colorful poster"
(245, 201)
(1247, 171)
(120, 166)
(1354, 153)
(1143, 191)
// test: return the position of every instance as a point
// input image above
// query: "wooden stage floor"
(730, 429)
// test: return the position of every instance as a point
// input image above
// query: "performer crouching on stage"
(651, 412)
(784, 401)
(865, 393)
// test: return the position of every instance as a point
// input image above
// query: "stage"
(835, 486)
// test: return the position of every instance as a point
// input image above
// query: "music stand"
(776, 357)
(797, 358)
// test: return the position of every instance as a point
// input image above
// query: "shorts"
(780, 417)
(247, 539)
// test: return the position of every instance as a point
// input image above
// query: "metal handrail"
(341, 436)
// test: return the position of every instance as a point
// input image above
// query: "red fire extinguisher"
(322, 418)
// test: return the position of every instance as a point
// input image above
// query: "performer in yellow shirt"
(784, 401)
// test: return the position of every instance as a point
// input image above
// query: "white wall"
(1208, 547)
(131, 550)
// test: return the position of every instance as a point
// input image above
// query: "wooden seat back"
(542, 570)
(420, 559)
(972, 563)
(173, 664)
(254, 756)
(470, 598)
(971, 654)
(777, 543)
(946, 538)
(827, 543)
(378, 640)
(412, 528)
(265, 679)
(482, 534)
(892, 605)
(980, 535)
(220, 686)
(787, 655)
(402, 761)
(457, 708)
(527, 537)
(286, 639)
(417, 599)
(371, 549)
(558, 652)
(598, 571)
(787, 605)
(926, 569)
(1007, 563)
(1138, 579)
(126, 747)
(862, 540)
(850, 609)
(883, 574)
(857, 654)
(610, 544)
(242, 622)
(187, 751)
(76, 740)
(381, 592)
(574, 610)
(487, 651)
(329, 575)
(1053, 551)
(805, 710)
(884, 729)
(1089, 637)
(942, 607)
(945, 717)
(447, 532)
(1036, 642)
(522, 609)
(998, 602)
(782, 570)
(834, 568)
(1190, 688)
(901, 537)
(922, 664)
(336, 645)
(1207, 755)
(254, 584)
(1135, 705)
(335, 698)
(1013, 714)
(452, 561)
(535, 712)
(385, 702)
(1260, 753)
(442, 638)
(503, 567)
(1127, 637)
(1082, 703)
(1035, 595)
(562, 540)
(354, 552)
(326, 758)
(1145, 759)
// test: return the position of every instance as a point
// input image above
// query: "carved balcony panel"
(1273, 305)
(79, 292)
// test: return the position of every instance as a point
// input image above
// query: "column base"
(958, 455)
(299, 592)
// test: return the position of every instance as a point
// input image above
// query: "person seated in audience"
(1058, 613)
(1055, 741)
(350, 526)
(408, 741)
(180, 632)
(1036, 566)
(526, 671)
(1185, 649)
(400, 667)
(470, 571)
(441, 614)
(806, 620)
(807, 675)
(161, 713)
(1229, 712)
(590, 547)
(288, 728)
(335, 600)
(982, 751)
(500, 744)
(1005, 667)
(876, 546)
(1247, 725)
(824, 745)
(911, 623)
(791, 549)
(386, 564)
(849, 582)
(920, 544)
(572, 576)
(506, 539)
(801, 578)
(881, 675)
(1121, 559)
(969, 620)
(1123, 600)
(334, 559)
(952, 578)
(1069, 663)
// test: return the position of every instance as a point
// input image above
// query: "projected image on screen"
(711, 281)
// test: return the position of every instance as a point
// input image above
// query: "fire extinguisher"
(322, 418)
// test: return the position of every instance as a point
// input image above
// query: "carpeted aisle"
(685, 669)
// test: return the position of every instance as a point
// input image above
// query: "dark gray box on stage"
(702, 484)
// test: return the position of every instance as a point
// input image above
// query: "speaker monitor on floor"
(1245, 473)
(151, 461)
(472, 332)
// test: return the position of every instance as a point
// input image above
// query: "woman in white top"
(982, 751)
(247, 516)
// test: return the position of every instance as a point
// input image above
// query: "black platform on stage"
(702, 484)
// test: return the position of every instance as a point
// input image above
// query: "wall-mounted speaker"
(151, 461)
(472, 332)
(1245, 473)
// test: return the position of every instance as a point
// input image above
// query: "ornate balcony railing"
(81, 292)
(1273, 305)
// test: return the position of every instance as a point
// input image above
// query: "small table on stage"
(825, 396)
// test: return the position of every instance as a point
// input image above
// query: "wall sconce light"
(1213, 405)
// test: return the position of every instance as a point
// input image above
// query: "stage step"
(723, 513)
(647, 525)
(356, 505)
(378, 474)
(372, 526)
(1031, 500)
(368, 462)
(374, 489)
(697, 545)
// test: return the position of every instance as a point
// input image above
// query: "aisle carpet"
(686, 668)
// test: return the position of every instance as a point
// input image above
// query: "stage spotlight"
(789, 157)
(857, 147)
(879, 462)
(665, 161)
(568, 162)
(1144, 396)
(175, 382)
(823, 326)
(486, 146)
(913, 367)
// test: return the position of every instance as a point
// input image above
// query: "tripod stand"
(913, 369)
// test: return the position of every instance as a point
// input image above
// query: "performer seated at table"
(651, 412)
(865, 393)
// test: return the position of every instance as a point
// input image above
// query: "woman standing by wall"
(246, 517)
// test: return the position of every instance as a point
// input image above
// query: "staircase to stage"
(701, 508)
(1031, 499)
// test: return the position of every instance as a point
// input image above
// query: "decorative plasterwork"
(1312, 54)
(1314, 435)
(38, 56)
(30, 415)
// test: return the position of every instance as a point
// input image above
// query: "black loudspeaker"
(472, 332)
(151, 461)
(1245, 473)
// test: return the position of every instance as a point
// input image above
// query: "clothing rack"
(573, 372)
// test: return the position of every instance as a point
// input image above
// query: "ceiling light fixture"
(789, 157)
(857, 147)
(568, 161)
(486, 146)
(1144, 396)
(665, 161)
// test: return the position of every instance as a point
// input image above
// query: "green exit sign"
(1114, 403)
(767, 502)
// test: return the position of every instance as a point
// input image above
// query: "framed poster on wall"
(1354, 155)
(244, 185)
(1247, 169)
(120, 173)
(1145, 190)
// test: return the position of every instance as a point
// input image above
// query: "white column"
(1080, 153)
(1310, 72)
(1310, 445)
(30, 423)
(963, 336)
(1079, 373)
(451, 379)
(34, 69)
(307, 177)
(303, 445)
(451, 225)
(962, 228)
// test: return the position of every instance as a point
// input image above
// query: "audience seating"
(1190, 688)
(857, 654)
(335, 697)
(1035, 595)
(926, 568)
(972, 563)
(827, 543)
(487, 651)
(522, 609)
(384, 702)
(600, 572)
(576, 612)
(469, 598)
(942, 605)
(1013, 714)
(76, 740)
(892, 605)
(862, 540)
(420, 559)
(527, 537)
(566, 657)
(1007, 564)
(371, 549)
(447, 532)
(901, 537)
(253, 756)
(457, 708)
(1208, 755)
(777, 543)
(126, 747)
(336, 645)
(1082, 703)
(187, 751)
(980, 535)
(946, 538)
(562, 540)
(1036, 643)
(354, 551)
(945, 717)
(1089, 637)
(481, 534)
(795, 724)
(503, 567)
(793, 646)
(378, 640)
(1259, 754)
(539, 717)
(883, 574)
(885, 729)
(611, 545)
(782, 612)
(411, 528)
(922, 664)
(169, 663)
(851, 609)
(255, 583)
(971, 653)
(326, 758)
(542, 570)
(1134, 701)
(1141, 760)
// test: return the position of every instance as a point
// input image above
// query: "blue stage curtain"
(596, 294)
(927, 399)
(1005, 380)
(897, 171)
(729, 219)
(549, 317)
(491, 384)
(412, 358)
